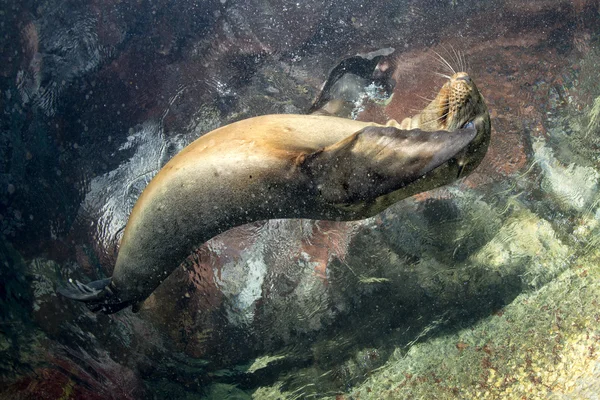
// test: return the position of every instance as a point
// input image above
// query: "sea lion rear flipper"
(93, 291)
(378, 160)
(98, 295)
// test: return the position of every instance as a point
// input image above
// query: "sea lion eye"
(469, 125)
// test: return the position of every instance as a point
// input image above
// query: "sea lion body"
(243, 172)
(277, 166)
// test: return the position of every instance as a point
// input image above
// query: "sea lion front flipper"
(378, 160)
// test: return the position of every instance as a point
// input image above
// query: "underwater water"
(485, 288)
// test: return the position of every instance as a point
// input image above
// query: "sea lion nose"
(465, 78)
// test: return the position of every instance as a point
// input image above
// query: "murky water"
(486, 288)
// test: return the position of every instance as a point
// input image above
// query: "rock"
(572, 187)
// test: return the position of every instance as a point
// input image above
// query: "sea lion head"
(457, 103)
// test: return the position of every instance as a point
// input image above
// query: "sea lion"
(288, 166)
(347, 81)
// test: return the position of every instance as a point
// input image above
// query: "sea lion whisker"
(440, 118)
(452, 56)
(432, 112)
(464, 64)
(425, 98)
(443, 116)
(446, 61)
(440, 106)
(420, 110)
(443, 62)
(434, 122)
(445, 66)
(455, 58)
(443, 75)
(458, 59)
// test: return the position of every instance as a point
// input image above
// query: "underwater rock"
(531, 8)
(35, 365)
(278, 26)
(526, 246)
(572, 187)
(253, 289)
(537, 346)
(220, 391)
(449, 225)
(69, 379)
(43, 273)
(57, 52)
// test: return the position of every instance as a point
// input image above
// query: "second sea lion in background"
(347, 81)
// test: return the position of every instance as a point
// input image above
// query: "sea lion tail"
(97, 295)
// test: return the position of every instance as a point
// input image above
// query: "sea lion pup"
(288, 166)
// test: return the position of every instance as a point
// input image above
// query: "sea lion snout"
(463, 76)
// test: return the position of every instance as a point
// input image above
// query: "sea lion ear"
(378, 160)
